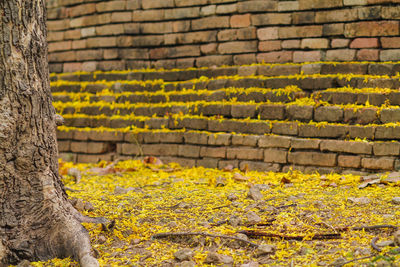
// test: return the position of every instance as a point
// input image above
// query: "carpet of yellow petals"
(147, 199)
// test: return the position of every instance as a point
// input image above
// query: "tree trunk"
(37, 222)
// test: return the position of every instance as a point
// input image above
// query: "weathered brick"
(333, 29)
(130, 149)
(362, 132)
(182, 13)
(86, 32)
(191, 37)
(328, 113)
(89, 54)
(210, 23)
(237, 47)
(300, 112)
(72, 67)
(270, 18)
(106, 136)
(314, 43)
(133, 4)
(121, 16)
(84, 158)
(58, 25)
(259, 166)
(63, 146)
(383, 163)
(62, 56)
(238, 21)
(226, 9)
(101, 42)
(248, 153)
(110, 6)
(310, 4)
(328, 131)
(354, 2)
(300, 31)
(275, 57)
(285, 128)
(79, 147)
(245, 140)
(209, 49)
(160, 149)
(386, 149)
(368, 55)
(148, 15)
(341, 55)
(390, 12)
(243, 111)
(207, 162)
(274, 141)
(208, 10)
(269, 33)
(214, 60)
(372, 28)
(390, 42)
(349, 161)
(288, 6)
(112, 29)
(301, 143)
(220, 139)
(383, 132)
(157, 4)
(180, 3)
(336, 15)
(60, 46)
(290, 44)
(195, 138)
(189, 151)
(81, 10)
(307, 56)
(97, 147)
(275, 156)
(364, 43)
(272, 112)
(213, 152)
(55, 36)
(269, 46)
(390, 115)
(346, 146)
(390, 55)
(257, 6)
(313, 158)
(303, 17)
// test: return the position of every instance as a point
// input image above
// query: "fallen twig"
(373, 244)
(255, 233)
(167, 235)
(353, 260)
(374, 227)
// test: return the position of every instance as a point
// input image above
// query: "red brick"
(336, 15)
(257, 6)
(315, 43)
(275, 57)
(55, 36)
(58, 25)
(390, 42)
(148, 15)
(210, 23)
(300, 31)
(72, 34)
(307, 56)
(121, 16)
(340, 55)
(290, 44)
(269, 33)
(271, 18)
(157, 4)
(312, 4)
(364, 43)
(154, 28)
(372, 28)
(239, 21)
(339, 43)
(275, 156)
(368, 55)
(79, 44)
(213, 152)
(237, 47)
(81, 10)
(110, 6)
(349, 161)
(60, 46)
(312, 158)
(378, 163)
(269, 45)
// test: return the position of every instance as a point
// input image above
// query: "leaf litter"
(168, 215)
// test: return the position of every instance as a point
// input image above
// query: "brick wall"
(127, 34)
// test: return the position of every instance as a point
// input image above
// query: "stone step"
(363, 68)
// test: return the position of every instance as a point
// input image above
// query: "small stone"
(238, 177)
(265, 249)
(234, 220)
(359, 200)
(101, 239)
(255, 193)
(396, 200)
(89, 206)
(232, 197)
(24, 263)
(396, 238)
(253, 218)
(215, 258)
(250, 264)
(185, 254)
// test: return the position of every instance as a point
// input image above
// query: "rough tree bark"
(37, 222)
